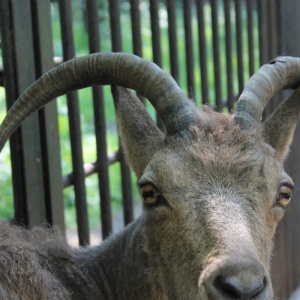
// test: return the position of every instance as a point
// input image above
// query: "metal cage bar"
(172, 31)
(216, 53)
(239, 45)
(99, 124)
(48, 118)
(228, 42)
(75, 128)
(114, 9)
(202, 50)
(189, 54)
(250, 37)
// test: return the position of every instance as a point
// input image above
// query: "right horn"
(281, 73)
(121, 69)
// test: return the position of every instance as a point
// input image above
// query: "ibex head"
(214, 187)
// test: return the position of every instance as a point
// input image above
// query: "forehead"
(223, 155)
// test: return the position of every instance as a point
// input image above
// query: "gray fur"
(216, 218)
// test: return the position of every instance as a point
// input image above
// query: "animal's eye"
(150, 194)
(284, 195)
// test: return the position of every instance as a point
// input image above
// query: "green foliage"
(6, 200)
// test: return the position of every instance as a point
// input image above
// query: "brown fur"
(215, 219)
(21, 256)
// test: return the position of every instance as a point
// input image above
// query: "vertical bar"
(288, 230)
(262, 31)
(136, 27)
(263, 41)
(278, 265)
(171, 9)
(272, 35)
(272, 47)
(75, 128)
(285, 270)
(239, 44)
(33, 172)
(10, 83)
(279, 16)
(189, 55)
(230, 96)
(136, 31)
(216, 54)
(287, 244)
(99, 123)
(250, 36)
(115, 25)
(29, 187)
(48, 116)
(155, 30)
(126, 189)
(286, 258)
(114, 9)
(156, 45)
(202, 50)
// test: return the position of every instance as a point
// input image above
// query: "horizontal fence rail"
(210, 47)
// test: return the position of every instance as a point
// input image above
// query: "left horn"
(281, 73)
(122, 69)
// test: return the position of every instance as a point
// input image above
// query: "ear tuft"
(140, 137)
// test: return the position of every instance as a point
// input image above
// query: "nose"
(239, 288)
(239, 279)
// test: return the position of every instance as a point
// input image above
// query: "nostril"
(240, 288)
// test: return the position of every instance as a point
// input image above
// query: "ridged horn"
(122, 69)
(281, 73)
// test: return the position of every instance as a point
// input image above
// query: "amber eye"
(150, 194)
(284, 195)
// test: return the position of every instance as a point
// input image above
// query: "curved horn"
(122, 69)
(281, 73)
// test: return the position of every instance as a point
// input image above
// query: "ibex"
(213, 188)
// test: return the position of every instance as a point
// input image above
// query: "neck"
(118, 264)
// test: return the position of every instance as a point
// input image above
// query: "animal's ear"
(279, 128)
(140, 137)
